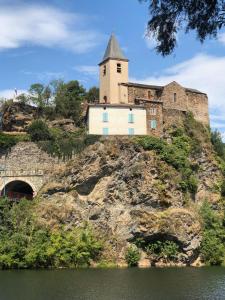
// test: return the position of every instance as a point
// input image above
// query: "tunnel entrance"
(17, 190)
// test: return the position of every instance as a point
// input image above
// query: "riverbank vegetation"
(26, 244)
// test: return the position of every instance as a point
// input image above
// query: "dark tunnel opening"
(17, 190)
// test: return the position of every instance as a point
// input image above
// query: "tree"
(218, 144)
(40, 95)
(39, 131)
(206, 17)
(93, 95)
(68, 99)
(23, 98)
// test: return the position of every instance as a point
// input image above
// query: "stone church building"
(127, 108)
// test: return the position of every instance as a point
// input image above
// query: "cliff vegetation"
(142, 200)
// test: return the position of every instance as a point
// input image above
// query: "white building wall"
(117, 120)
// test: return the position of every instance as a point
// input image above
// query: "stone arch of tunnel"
(18, 189)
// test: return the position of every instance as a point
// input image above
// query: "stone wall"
(171, 117)
(26, 162)
(154, 111)
(174, 99)
(198, 105)
(141, 92)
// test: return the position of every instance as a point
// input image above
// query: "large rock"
(126, 193)
(64, 124)
(18, 116)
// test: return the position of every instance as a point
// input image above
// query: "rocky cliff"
(133, 195)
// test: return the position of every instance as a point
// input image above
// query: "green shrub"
(39, 131)
(176, 155)
(65, 144)
(25, 244)
(223, 188)
(218, 144)
(167, 250)
(212, 248)
(132, 256)
(7, 141)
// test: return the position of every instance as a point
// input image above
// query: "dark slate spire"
(113, 50)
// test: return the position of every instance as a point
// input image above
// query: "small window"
(105, 117)
(105, 99)
(119, 69)
(149, 94)
(104, 70)
(152, 111)
(130, 118)
(153, 124)
(174, 97)
(131, 131)
(105, 131)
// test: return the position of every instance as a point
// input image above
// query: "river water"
(114, 284)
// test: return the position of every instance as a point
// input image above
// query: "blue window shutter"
(131, 131)
(131, 118)
(153, 124)
(105, 131)
(105, 117)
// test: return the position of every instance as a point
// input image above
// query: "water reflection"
(124, 284)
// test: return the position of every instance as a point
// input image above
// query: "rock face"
(127, 193)
(17, 117)
(64, 124)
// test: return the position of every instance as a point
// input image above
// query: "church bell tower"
(113, 72)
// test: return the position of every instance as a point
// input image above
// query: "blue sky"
(45, 40)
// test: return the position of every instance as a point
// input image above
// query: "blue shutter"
(130, 118)
(131, 131)
(105, 131)
(153, 124)
(105, 117)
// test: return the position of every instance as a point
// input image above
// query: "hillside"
(126, 200)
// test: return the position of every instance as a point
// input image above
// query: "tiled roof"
(158, 87)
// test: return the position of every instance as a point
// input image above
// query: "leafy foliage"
(167, 250)
(175, 154)
(223, 188)
(218, 144)
(132, 256)
(39, 131)
(93, 95)
(7, 141)
(68, 99)
(212, 246)
(65, 144)
(24, 244)
(170, 16)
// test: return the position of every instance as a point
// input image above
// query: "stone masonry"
(168, 104)
(27, 163)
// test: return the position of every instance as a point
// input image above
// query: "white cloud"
(150, 40)
(45, 76)
(202, 72)
(87, 70)
(46, 26)
(9, 94)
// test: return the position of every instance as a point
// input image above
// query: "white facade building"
(112, 119)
